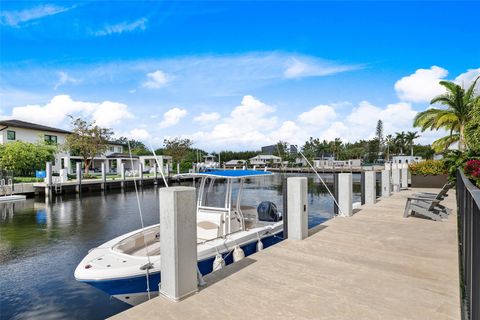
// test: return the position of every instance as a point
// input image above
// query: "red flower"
(472, 168)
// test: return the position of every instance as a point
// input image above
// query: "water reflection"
(41, 242)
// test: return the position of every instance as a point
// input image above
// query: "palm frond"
(442, 144)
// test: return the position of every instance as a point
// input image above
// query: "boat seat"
(208, 224)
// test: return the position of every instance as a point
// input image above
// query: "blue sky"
(233, 75)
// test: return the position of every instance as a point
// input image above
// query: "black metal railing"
(468, 205)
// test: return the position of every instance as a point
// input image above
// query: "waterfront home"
(263, 160)
(331, 162)
(115, 154)
(406, 159)
(235, 164)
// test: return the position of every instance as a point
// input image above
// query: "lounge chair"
(430, 208)
(439, 196)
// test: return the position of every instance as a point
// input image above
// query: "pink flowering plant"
(472, 170)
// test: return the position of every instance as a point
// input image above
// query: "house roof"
(29, 125)
(265, 156)
(233, 162)
(117, 155)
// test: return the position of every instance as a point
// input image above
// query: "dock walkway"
(374, 265)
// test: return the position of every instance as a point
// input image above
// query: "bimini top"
(230, 174)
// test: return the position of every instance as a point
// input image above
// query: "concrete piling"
(297, 208)
(404, 179)
(122, 174)
(104, 176)
(370, 187)
(386, 185)
(396, 179)
(345, 191)
(78, 169)
(48, 178)
(178, 242)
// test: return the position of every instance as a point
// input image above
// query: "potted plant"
(428, 174)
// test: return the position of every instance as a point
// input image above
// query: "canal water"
(41, 243)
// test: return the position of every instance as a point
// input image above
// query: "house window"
(112, 149)
(10, 135)
(120, 149)
(49, 139)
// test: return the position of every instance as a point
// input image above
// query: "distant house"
(235, 164)
(113, 157)
(263, 160)
(331, 162)
(406, 159)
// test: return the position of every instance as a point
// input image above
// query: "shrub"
(472, 170)
(428, 167)
(89, 176)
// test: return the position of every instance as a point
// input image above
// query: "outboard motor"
(267, 211)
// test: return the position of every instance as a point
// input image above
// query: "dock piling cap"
(232, 174)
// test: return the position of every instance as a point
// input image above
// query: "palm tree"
(459, 103)
(400, 140)
(410, 137)
(335, 146)
(389, 142)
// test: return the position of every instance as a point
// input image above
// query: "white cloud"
(16, 17)
(172, 117)
(421, 86)
(64, 78)
(298, 67)
(319, 115)
(207, 117)
(249, 125)
(156, 79)
(109, 113)
(55, 112)
(466, 79)
(253, 124)
(136, 134)
(140, 24)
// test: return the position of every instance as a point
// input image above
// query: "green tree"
(177, 148)
(87, 140)
(472, 129)
(379, 134)
(459, 105)
(24, 158)
(400, 141)
(138, 148)
(389, 141)
(336, 146)
(410, 137)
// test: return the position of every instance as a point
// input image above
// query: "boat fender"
(218, 263)
(238, 254)
(259, 245)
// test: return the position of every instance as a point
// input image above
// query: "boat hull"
(129, 288)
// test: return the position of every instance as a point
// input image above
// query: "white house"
(406, 159)
(234, 164)
(265, 160)
(113, 157)
(330, 162)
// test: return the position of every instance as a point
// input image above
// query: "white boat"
(120, 267)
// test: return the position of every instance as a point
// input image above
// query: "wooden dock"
(374, 265)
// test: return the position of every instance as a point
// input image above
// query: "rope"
(147, 275)
(158, 164)
(314, 170)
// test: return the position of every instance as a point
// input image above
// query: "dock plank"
(374, 265)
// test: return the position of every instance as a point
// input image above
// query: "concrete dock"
(373, 265)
